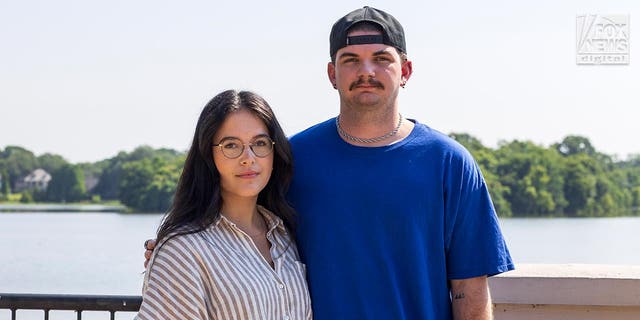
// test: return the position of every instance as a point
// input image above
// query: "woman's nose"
(247, 157)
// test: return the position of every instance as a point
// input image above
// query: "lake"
(73, 253)
(101, 253)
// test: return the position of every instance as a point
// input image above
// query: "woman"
(225, 249)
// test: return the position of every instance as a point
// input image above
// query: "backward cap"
(392, 32)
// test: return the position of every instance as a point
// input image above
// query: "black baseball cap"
(392, 32)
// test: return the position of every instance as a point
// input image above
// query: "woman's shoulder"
(184, 239)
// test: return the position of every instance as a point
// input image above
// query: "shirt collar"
(273, 221)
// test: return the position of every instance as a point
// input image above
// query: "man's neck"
(366, 124)
(373, 116)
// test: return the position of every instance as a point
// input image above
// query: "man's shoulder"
(425, 135)
(314, 132)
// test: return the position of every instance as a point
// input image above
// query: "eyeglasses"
(232, 148)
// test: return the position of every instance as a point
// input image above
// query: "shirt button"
(281, 286)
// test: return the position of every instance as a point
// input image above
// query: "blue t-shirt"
(383, 229)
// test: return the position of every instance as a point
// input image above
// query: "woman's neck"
(244, 213)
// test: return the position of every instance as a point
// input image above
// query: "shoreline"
(62, 208)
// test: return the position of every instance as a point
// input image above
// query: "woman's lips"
(247, 175)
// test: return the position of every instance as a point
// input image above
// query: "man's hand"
(149, 245)
(470, 299)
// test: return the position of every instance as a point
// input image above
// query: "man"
(395, 220)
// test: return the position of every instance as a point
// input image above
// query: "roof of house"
(38, 175)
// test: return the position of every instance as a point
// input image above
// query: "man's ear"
(407, 70)
(331, 73)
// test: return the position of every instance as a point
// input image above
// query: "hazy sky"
(86, 79)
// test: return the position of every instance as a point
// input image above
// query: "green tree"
(67, 185)
(146, 152)
(635, 204)
(51, 162)
(531, 174)
(108, 186)
(6, 185)
(18, 162)
(499, 194)
(148, 185)
(26, 197)
(614, 192)
(571, 145)
(580, 185)
(109, 183)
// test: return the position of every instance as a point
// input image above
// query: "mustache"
(370, 82)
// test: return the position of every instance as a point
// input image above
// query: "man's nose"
(367, 69)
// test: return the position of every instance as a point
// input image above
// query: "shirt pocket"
(301, 267)
(300, 276)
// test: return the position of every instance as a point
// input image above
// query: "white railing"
(531, 292)
(567, 292)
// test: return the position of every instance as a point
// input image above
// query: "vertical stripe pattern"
(219, 273)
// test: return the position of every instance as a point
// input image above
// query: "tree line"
(144, 180)
(566, 179)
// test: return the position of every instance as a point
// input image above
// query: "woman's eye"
(230, 145)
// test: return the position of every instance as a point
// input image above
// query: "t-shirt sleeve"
(173, 287)
(474, 242)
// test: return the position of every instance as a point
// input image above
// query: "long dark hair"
(197, 202)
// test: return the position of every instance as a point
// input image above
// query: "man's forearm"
(470, 299)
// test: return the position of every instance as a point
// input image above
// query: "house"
(90, 182)
(38, 179)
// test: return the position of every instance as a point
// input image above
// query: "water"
(73, 253)
(580, 240)
(101, 253)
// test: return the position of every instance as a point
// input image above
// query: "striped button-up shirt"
(219, 273)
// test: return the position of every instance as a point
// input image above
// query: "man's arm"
(149, 245)
(470, 299)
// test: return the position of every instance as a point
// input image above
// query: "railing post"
(77, 303)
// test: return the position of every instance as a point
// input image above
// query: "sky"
(86, 79)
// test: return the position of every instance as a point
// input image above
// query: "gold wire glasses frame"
(233, 147)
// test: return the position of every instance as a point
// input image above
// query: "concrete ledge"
(562, 312)
(569, 291)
